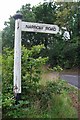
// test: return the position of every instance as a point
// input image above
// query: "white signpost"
(38, 27)
(17, 57)
(31, 27)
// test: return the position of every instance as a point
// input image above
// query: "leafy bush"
(47, 104)
(31, 70)
(57, 68)
(37, 101)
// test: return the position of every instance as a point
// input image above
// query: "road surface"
(72, 79)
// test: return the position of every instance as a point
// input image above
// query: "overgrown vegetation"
(37, 100)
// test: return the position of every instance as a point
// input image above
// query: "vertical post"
(17, 56)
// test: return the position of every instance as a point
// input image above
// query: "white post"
(17, 54)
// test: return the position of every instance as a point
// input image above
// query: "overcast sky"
(9, 7)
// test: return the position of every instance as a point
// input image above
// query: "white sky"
(9, 7)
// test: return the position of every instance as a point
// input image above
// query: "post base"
(17, 98)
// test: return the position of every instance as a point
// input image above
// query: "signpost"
(41, 28)
(29, 27)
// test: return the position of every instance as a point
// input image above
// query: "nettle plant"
(31, 70)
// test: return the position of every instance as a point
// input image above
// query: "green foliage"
(31, 70)
(0, 100)
(53, 102)
(50, 101)
(0, 66)
(59, 51)
(8, 33)
(57, 68)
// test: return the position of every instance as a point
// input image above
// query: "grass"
(48, 75)
(59, 105)
(61, 108)
(51, 101)
(63, 103)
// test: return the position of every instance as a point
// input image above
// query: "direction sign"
(38, 27)
(30, 27)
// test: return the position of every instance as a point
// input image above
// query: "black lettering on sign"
(51, 28)
(34, 26)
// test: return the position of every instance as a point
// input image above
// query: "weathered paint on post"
(17, 54)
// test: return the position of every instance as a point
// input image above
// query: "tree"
(44, 13)
(68, 16)
(8, 33)
(64, 15)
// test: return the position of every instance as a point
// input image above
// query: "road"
(72, 79)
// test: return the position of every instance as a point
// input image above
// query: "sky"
(9, 7)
